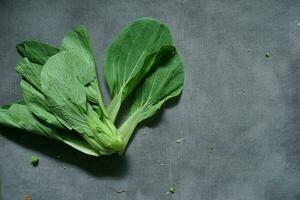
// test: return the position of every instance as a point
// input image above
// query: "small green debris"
(172, 189)
(267, 55)
(34, 161)
(160, 163)
(180, 140)
(117, 190)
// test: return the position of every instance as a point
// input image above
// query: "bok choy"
(61, 96)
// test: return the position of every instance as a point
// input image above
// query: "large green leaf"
(130, 56)
(63, 86)
(31, 86)
(37, 104)
(164, 83)
(64, 89)
(18, 116)
(30, 71)
(62, 99)
(36, 52)
(78, 42)
(83, 66)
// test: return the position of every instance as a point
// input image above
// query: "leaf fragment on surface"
(34, 161)
(172, 189)
(180, 140)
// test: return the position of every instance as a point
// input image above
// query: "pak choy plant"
(61, 96)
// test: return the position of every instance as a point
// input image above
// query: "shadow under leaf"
(114, 165)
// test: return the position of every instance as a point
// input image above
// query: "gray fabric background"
(239, 112)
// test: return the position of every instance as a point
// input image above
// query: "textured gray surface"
(236, 100)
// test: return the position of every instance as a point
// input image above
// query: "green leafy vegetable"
(131, 56)
(37, 52)
(18, 116)
(31, 83)
(77, 41)
(164, 83)
(61, 96)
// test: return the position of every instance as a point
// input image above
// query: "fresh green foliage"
(77, 41)
(36, 52)
(131, 56)
(61, 96)
(164, 83)
(31, 82)
(18, 116)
